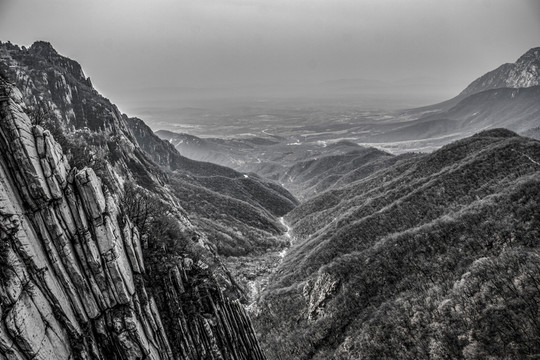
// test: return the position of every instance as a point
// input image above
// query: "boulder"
(89, 186)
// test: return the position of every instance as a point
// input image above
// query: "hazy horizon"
(383, 53)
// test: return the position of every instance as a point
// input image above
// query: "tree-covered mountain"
(317, 174)
(238, 211)
(436, 256)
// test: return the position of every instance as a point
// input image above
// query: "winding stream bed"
(288, 235)
(254, 272)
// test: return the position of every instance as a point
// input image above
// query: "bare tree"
(41, 113)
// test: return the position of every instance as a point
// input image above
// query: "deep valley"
(277, 230)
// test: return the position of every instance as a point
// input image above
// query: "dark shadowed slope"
(436, 256)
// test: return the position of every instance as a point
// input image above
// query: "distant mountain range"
(507, 97)
(49, 79)
(423, 255)
(516, 109)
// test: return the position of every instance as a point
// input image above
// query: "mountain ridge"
(95, 266)
(89, 120)
(410, 231)
(525, 72)
(412, 256)
(496, 78)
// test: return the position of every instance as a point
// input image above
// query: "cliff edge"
(74, 284)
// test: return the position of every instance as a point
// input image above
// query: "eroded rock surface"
(72, 267)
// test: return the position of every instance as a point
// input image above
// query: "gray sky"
(128, 44)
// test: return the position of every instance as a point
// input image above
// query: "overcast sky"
(126, 44)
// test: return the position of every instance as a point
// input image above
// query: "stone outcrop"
(72, 268)
(318, 292)
(524, 73)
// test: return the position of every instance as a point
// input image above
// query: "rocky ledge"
(72, 268)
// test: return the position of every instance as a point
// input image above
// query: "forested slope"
(437, 256)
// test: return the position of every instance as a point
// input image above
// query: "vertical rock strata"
(71, 267)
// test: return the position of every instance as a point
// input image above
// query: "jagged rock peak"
(43, 48)
(47, 77)
(525, 72)
(531, 55)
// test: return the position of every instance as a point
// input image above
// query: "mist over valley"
(254, 180)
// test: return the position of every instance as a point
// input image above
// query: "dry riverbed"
(253, 272)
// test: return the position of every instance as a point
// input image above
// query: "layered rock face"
(524, 73)
(72, 279)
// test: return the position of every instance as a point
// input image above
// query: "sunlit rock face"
(66, 267)
(74, 280)
(525, 72)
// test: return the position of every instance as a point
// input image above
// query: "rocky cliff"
(236, 212)
(76, 281)
(525, 72)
